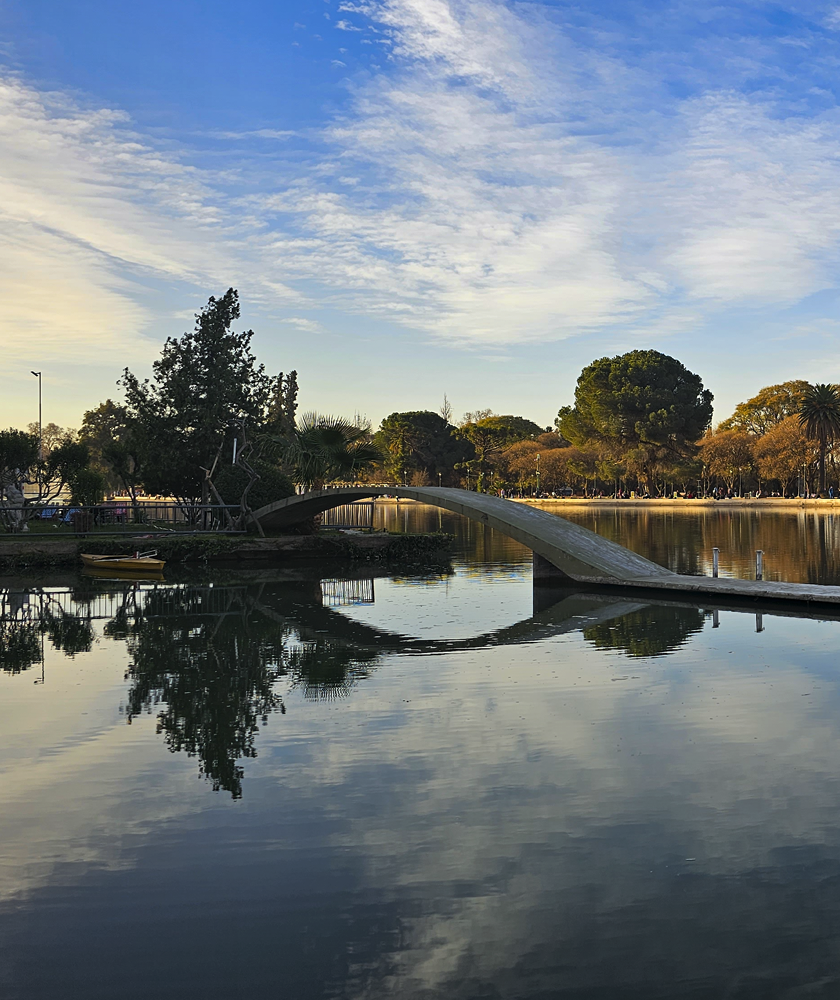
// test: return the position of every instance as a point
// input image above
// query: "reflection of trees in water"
(212, 677)
(324, 670)
(26, 619)
(20, 646)
(650, 631)
(799, 547)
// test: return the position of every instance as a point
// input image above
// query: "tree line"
(211, 425)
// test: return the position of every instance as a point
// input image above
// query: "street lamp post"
(40, 434)
(538, 475)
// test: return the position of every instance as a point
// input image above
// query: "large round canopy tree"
(643, 408)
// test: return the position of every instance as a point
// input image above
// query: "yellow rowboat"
(142, 562)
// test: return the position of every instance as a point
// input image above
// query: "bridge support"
(547, 574)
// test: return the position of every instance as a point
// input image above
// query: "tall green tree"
(643, 407)
(107, 433)
(419, 442)
(282, 406)
(819, 417)
(201, 384)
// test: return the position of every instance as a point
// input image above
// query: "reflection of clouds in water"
(515, 819)
(79, 789)
(516, 827)
(449, 608)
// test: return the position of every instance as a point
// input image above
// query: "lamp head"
(38, 374)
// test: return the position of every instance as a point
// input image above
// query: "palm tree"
(819, 417)
(322, 449)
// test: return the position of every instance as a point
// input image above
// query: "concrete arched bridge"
(567, 549)
(563, 552)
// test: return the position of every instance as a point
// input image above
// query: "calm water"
(315, 783)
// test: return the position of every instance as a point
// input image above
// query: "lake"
(330, 781)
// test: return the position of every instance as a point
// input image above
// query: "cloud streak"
(502, 180)
(517, 189)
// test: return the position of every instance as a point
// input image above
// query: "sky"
(419, 197)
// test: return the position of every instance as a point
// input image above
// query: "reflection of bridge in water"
(208, 660)
(309, 608)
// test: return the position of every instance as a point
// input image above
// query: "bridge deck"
(730, 587)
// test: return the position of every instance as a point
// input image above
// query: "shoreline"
(790, 503)
(784, 503)
(426, 548)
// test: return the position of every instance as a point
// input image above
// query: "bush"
(272, 485)
(87, 487)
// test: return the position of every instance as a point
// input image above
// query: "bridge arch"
(561, 548)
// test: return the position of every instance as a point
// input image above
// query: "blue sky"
(419, 197)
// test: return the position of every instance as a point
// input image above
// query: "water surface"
(319, 782)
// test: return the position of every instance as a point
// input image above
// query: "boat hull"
(124, 564)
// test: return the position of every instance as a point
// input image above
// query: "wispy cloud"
(502, 180)
(90, 215)
(519, 189)
(303, 324)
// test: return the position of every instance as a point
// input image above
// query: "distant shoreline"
(756, 502)
(790, 503)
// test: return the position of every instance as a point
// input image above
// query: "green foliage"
(68, 468)
(819, 417)
(489, 436)
(231, 481)
(324, 449)
(282, 407)
(767, 408)
(420, 441)
(87, 487)
(202, 382)
(105, 431)
(782, 452)
(643, 407)
(18, 453)
(50, 435)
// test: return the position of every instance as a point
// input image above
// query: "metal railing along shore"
(117, 517)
